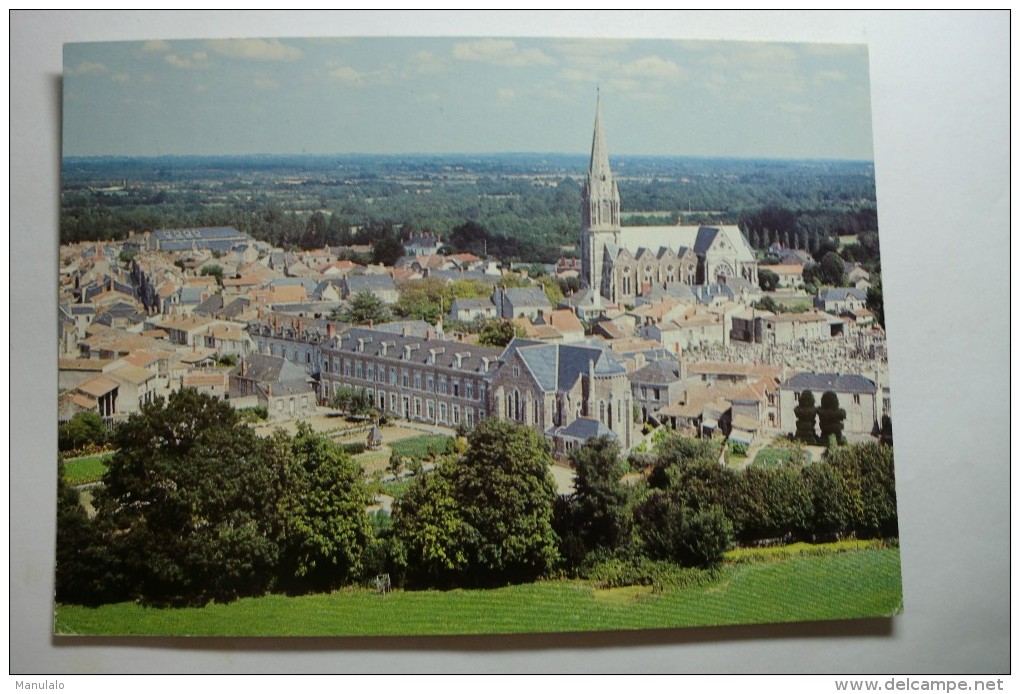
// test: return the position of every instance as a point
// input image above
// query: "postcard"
(427, 336)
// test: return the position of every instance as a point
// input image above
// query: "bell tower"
(600, 210)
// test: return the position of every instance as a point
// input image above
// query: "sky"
(463, 95)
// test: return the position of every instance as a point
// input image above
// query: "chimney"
(269, 389)
(330, 331)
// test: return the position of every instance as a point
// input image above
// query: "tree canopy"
(188, 503)
(364, 307)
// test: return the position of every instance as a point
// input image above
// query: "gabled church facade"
(620, 264)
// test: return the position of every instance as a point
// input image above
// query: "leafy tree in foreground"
(188, 503)
(429, 542)
(672, 531)
(82, 429)
(598, 515)
(870, 484)
(326, 528)
(506, 493)
(806, 413)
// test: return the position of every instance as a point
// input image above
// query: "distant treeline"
(528, 205)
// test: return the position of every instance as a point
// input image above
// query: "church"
(620, 264)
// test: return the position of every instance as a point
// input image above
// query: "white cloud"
(196, 61)
(347, 75)
(87, 68)
(831, 76)
(653, 67)
(157, 46)
(506, 94)
(265, 84)
(121, 78)
(427, 62)
(254, 49)
(500, 52)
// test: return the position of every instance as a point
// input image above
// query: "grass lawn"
(844, 585)
(774, 457)
(85, 470)
(418, 446)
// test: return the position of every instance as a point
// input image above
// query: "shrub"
(355, 447)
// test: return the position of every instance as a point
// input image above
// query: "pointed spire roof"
(598, 168)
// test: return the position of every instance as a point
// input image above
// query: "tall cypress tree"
(806, 413)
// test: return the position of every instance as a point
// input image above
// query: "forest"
(517, 207)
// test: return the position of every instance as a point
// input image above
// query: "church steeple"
(601, 195)
(600, 212)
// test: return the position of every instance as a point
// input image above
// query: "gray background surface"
(940, 99)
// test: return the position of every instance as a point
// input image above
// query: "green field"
(85, 470)
(775, 457)
(842, 585)
(419, 446)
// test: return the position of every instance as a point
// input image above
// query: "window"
(430, 383)
(347, 367)
(468, 388)
(456, 389)
(857, 398)
(357, 369)
(456, 414)
(393, 376)
(517, 371)
(417, 407)
(393, 402)
(369, 372)
(442, 412)
(325, 364)
(469, 417)
(656, 393)
(442, 385)
(430, 408)
(417, 380)
(405, 378)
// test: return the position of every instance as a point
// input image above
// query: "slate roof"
(372, 283)
(841, 293)
(558, 366)
(446, 351)
(471, 305)
(837, 383)
(658, 372)
(585, 428)
(526, 296)
(204, 238)
(263, 368)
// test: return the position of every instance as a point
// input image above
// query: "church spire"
(598, 168)
(601, 195)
